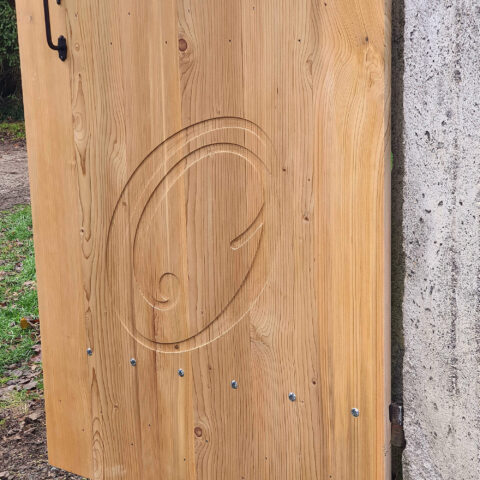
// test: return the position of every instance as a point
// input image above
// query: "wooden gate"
(210, 186)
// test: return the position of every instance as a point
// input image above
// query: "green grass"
(18, 295)
(4, 380)
(18, 399)
(12, 130)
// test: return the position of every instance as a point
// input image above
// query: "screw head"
(89, 352)
(181, 373)
(133, 362)
(234, 384)
(292, 397)
(355, 412)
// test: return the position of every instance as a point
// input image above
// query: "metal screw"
(181, 373)
(133, 362)
(89, 352)
(355, 412)
(292, 397)
(234, 384)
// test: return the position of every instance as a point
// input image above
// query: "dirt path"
(14, 189)
(23, 443)
(23, 448)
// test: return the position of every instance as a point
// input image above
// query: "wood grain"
(229, 177)
(58, 254)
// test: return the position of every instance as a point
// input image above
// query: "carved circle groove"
(168, 295)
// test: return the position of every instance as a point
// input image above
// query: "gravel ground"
(14, 189)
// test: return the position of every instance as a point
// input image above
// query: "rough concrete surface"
(14, 189)
(437, 144)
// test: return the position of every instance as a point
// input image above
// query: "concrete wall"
(436, 235)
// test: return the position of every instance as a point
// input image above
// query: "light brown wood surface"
(53, 186)
(210, 185)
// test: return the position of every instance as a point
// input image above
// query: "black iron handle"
(61, 48)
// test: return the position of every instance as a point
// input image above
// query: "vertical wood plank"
(353, 99)
(53, 179)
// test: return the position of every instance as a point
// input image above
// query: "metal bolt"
(292, 397)
(234, 384)
(181, 373)
(355, 412)
(89, 352)
(133, 362)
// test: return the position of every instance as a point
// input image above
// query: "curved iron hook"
(61, 48)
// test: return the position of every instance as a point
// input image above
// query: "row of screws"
(234, 384)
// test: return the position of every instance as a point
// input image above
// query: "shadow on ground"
(398, 254)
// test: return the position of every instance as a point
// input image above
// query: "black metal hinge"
(396, 419)
(61, 47)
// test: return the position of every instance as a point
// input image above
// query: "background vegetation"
(11, 106)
